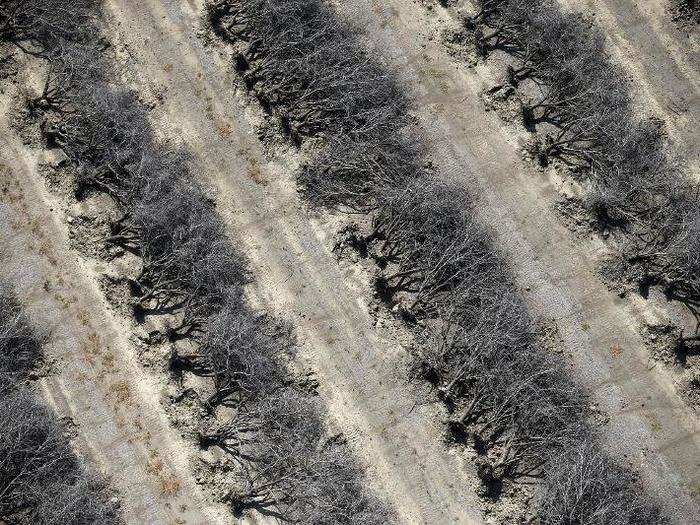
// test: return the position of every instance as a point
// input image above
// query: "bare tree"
(105, 132)
(429, 243)
(36, 26)
(305, 65)
(288, 468)
(80, 499)
(192, 277)
(579, 103)
(353, 173)
(41, 478)
(70, 68)
(188, 263)
(685, 12)
(475, 338)
(20, 343)
(246, 355)
(583, 485)
(514, 401)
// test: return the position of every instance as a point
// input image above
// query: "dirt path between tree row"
(95, 379)
(359, 367)
(650, 426)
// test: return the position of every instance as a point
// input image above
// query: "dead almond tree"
(105, 132)
(352, 174)
(562, 63)
(306, 63)
(77, 499)
(579, 104)
(187, 260)
(498, 25)
(306, 66)
(428, 243)
(513, 401)
(651, 199)
(245, 354)
(31, 449)
(41, 478)
(70, 68)
(583, 485)
(685, 12)
(20, 343)
(37, 26)
(289, 469)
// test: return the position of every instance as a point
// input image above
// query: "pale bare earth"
(650, 427)
(360, 367)
(94, 377)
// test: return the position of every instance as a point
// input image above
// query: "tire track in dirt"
(96, 380)
(650, 427)
(360, 369)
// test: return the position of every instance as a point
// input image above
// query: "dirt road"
(649, 426)
(95, 378)
(360, 367)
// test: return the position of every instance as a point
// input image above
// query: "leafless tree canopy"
(584, 486)
(428, 242)
(37, 26)
(286, 463)
(685, 12)
(580, 105)
(41, 478)
(583, 97)
(438, 266)
(306, 66)
(511, 399)
(302, 58)
(476, 336)
(20, 344)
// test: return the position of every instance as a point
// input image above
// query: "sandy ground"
(649, 426)
(359, 367)
(95, 378)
